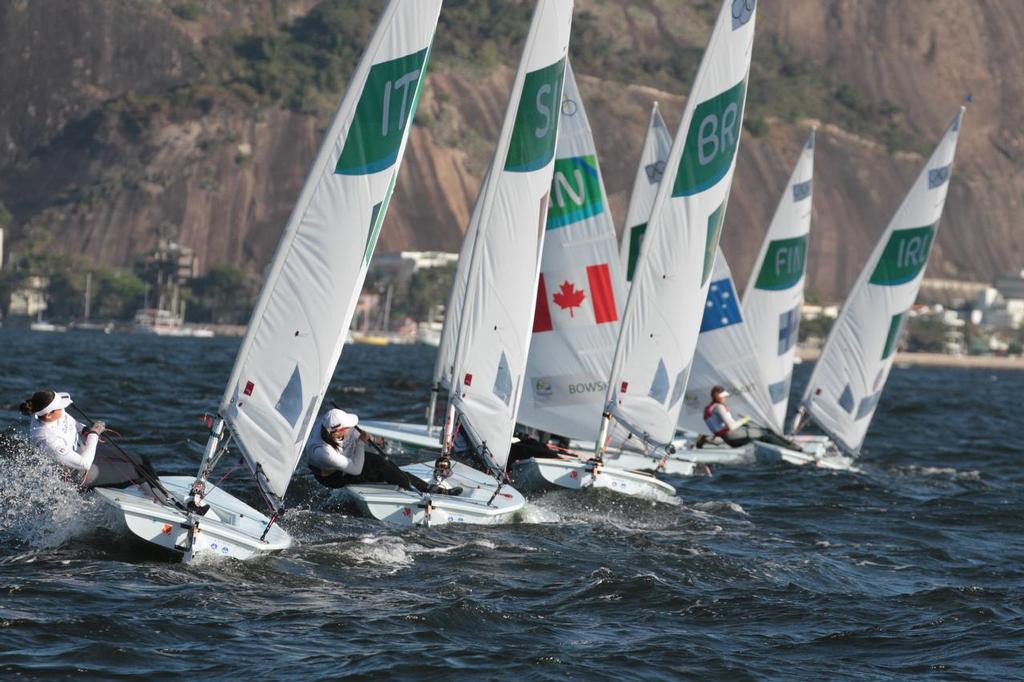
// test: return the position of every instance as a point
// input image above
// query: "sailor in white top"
(338, 457)
(57, 433)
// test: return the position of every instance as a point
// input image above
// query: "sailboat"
(576, 324)
(847, 382)
(757, 370)
(298, 327)
(661, 319)
(494, 305)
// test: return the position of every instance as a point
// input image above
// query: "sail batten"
(849, 376)
(298, 326)
(497, 309)
(662, 315)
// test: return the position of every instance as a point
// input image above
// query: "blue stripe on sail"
(576, 216)
(938, 177)
(503, 380)
(375, 167)
(801, 190)
(722, 308)
(289, 405)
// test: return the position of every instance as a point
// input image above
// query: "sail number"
(386, 105)
(536, 126)
(575, 191)
(783, 264)
(904, 256)
(711, 141)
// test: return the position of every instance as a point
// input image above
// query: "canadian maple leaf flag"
(575, 298)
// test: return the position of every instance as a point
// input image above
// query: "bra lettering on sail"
(711, 142)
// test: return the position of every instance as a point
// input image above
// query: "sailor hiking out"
(338, 457)
(735, 432)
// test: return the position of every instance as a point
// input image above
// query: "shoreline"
(937, 360)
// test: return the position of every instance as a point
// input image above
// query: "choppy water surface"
(914, 565)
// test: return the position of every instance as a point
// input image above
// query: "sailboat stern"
(541, 473)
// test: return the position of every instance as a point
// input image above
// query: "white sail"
(725, 356)
(657, 145)
(501, 288)
(670, 284)
(580, 292)
(298, 326)
(775, 290)
(848, 379)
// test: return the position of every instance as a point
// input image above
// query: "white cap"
(725, 394)
(335, 418)
(59, 402)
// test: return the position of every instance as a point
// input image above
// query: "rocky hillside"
(123, 121)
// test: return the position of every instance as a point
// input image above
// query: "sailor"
(57, 433)
(338, 457)
(735, 432)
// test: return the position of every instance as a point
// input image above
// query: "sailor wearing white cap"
(338, 457)
(735, 432)
(57, 433)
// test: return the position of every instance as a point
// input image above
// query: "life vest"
(714, 421)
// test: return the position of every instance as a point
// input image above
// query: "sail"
(657, 145)
(848, 378)
(298, 326)
(670, 284)
(725, 356)
(775, 290)
(580, 291)
(501, 287)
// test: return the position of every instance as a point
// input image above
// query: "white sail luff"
(297, 329)
(846, 384)
(670, 282)
(580, 291)
(775, 291)
(497, 310)
(657, 145)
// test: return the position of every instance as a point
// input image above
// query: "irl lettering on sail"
(386, 105)
(711, 141)
(904, 256)
(536, 125)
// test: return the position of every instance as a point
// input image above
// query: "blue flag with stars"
(722, 308)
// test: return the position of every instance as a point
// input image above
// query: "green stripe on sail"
(711, 142)
(715, 221)
(575, 191)
(636, 238)
(904, 256)
(893, 337)
(386, 105)
(533, 135)
(377, 219)
(783, 264)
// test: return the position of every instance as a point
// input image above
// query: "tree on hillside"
(224, 295)
(118, 295)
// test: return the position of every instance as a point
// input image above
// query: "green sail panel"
(711, 142)
(382, 114)
(904, 257)
(715, 221)
(575, 191)
(636, 238)
(535, 130)
(784, 264)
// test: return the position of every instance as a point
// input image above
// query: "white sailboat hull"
(414, 435)
(815, 454)
(231, 528)
(576, 474)
(477, 504)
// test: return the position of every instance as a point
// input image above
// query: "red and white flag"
(575, 298)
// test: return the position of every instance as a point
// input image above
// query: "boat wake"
(41, 505)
